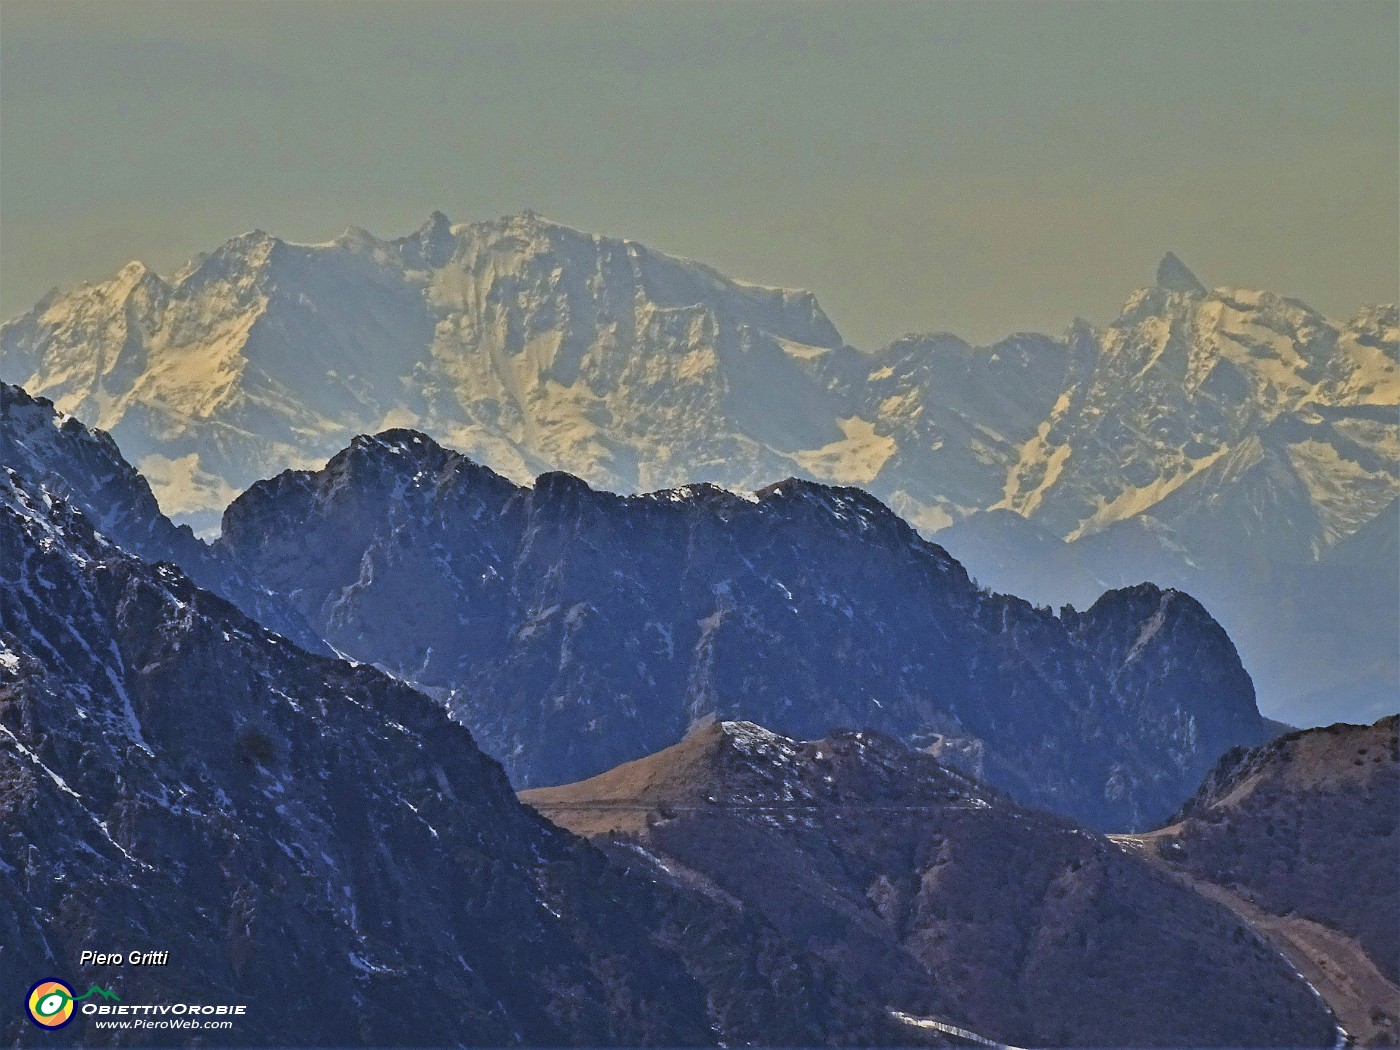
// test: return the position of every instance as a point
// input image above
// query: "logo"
(51, 1002)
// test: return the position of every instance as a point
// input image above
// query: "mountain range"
(301, 834)
(573, 629)
(170, 768)
(1227, 442)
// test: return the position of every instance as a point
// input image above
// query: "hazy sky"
(979, 167)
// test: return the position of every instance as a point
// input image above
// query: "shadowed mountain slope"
(174, 777)
(47, 448)
(942, 896)
(573, 629)
(1303, 835)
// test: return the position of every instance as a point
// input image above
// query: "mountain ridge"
(1183, 432)
(942, 893)
(172, 771)
(573, 628)
(84, 466)
(1298, 836)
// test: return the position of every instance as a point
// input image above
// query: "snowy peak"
(431, 245)
(1174, 276)
(531, 345)
(397, 441)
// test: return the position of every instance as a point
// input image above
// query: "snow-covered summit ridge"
(531, 344)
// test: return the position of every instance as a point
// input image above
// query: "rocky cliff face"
(572, 629)
(174, 777)
(943, 896)
(49, 449)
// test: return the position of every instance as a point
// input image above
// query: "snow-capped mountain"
(1229, 430)
(528, 344)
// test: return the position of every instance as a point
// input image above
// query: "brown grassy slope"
(939, 896)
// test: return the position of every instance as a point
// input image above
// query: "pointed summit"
(1174, 276)
(432, 243)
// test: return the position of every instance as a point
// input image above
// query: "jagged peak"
(840, 501)
(401, 453)
(135, 269)
(554, 484)
(435, 228)
(399, 445)
(702, 493)
(432, 244)
(357, 236)
(254, 247)
(398, 438)
(12, 395)
(1166, 602)
(1175, 276)
(135, 274)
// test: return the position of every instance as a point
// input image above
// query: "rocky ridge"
(175, 777)
(573, 629)
(50, 449)
(1227, 436)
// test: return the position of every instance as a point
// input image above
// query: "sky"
(981, 167)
